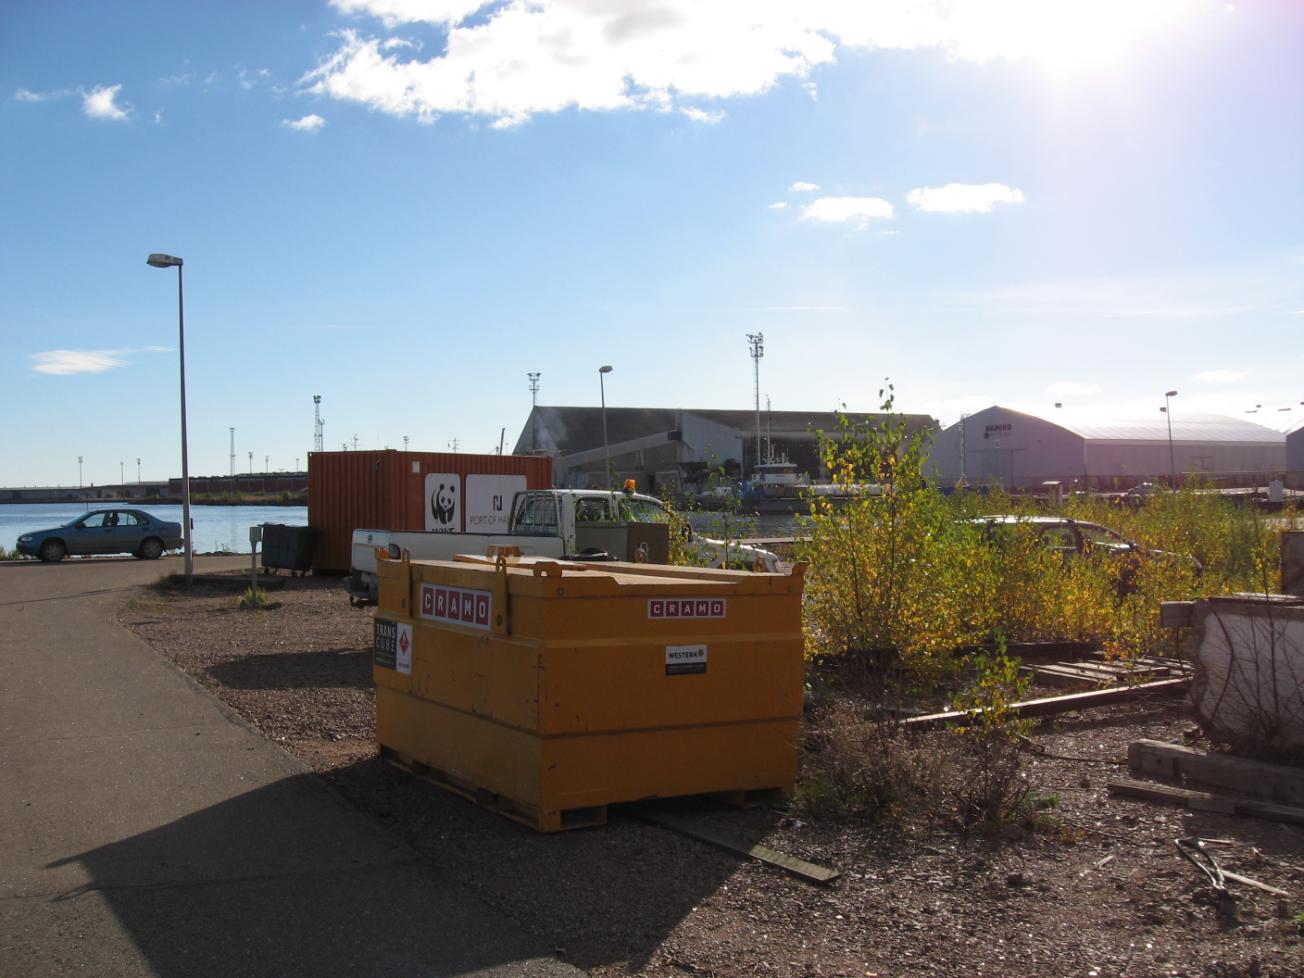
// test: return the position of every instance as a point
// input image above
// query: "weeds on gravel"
(994, 787)
(253, 599)
(856, 768)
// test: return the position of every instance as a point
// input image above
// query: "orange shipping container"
(393, 490)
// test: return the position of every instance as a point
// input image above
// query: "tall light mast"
(756, 343)
(316, 423)
(534, 402)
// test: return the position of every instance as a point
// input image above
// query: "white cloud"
(394, 12)
(1067, 388)
(963, 198)
(26, 95)
(77, 361)
(703, 116)
(60, 362)
(1220, 376)
(250, 79)
(779, 205)
(101, 102)
(801, 186)
(1199, 296)
(848, 210)
(309, 123)
(508, 59)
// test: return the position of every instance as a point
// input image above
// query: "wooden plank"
(1250, 881)
(1150, 661)
(811, 872)
(1268, 782)
(1057, 675)
(1206, 801)
(1050, 705)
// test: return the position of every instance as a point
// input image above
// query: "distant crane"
(232, 453)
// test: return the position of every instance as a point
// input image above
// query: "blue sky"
(407, 206)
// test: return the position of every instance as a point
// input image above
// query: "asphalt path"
(147, 830)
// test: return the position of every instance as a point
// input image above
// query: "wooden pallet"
(517, 811)
(1099, 672)
(548, 821)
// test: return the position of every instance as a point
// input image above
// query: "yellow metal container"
(550, 690)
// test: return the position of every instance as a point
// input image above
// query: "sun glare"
(1066, 35)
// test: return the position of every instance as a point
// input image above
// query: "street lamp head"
(1170, 393)
(605, 370)
(159, 260)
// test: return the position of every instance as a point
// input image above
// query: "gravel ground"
(1100, 891)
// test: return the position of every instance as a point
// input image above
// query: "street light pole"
(170, 261)
(1172, 463)
(606, 450)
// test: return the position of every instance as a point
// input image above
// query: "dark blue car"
(104, 531)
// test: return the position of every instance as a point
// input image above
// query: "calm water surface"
(227, 527)
(216, 527)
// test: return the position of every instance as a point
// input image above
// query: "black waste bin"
(287, 547)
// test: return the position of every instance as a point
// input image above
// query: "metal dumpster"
(549, 690)
(287, 547)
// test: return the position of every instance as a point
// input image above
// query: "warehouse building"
(672, 450)
(1295, 456)
(1021, 450)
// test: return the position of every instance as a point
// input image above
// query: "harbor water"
(226, 528)
(217, 528)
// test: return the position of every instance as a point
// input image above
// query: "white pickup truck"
(584, 524)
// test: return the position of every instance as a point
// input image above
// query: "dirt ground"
(1099, 891)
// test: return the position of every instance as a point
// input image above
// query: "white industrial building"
(1021, 450)
(1295, 456)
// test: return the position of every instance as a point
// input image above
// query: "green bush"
(902, 570)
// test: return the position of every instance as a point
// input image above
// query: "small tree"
(892, 570)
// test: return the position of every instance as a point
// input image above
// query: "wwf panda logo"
(443, 504)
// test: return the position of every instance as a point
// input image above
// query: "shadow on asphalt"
(287, 880)
(338, 668)
(597, 896)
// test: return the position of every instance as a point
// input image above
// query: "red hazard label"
(663, 608)
(402, 642)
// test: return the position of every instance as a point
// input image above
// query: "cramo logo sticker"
(664, 608)
(457, 605)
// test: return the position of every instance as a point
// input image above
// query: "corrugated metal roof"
(578, 428)
(1205, 428)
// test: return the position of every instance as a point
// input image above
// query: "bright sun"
(1063, 35)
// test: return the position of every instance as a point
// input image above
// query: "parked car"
(1074, 538)
(104, 531)
(1141, 494)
